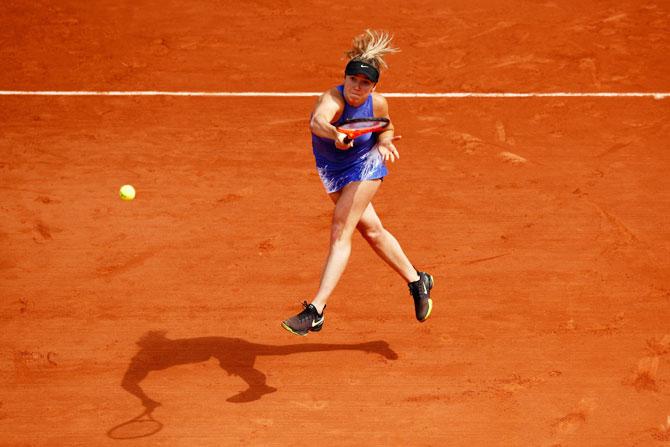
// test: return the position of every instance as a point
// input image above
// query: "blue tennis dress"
(363, 161)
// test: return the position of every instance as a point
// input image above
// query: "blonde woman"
(351, 174)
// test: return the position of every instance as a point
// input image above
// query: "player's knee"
(372, 234)
(339, 234)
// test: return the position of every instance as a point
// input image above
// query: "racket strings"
(362, 125)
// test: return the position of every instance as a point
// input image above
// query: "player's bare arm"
(328, 109)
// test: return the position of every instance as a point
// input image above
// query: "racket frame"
(353, 133)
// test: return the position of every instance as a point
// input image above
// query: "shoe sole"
(430, 301)
(302, 334)
(430, 309)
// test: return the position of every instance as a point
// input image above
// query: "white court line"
(655, 95)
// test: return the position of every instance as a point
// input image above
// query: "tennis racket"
(355, 127)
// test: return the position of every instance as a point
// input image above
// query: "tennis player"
(351, 174)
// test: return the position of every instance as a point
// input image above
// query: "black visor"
(355, 67)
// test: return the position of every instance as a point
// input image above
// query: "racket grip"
(346, 140)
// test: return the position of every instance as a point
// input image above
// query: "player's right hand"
(340, 144)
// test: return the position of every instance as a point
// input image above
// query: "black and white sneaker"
(420, 291)
(306, 321)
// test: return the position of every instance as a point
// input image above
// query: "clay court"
(542, 219)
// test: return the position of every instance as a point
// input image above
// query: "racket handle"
(346, 140)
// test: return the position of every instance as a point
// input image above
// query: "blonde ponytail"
(371, 47)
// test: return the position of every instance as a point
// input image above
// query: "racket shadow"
(235, 355)
(140, 426)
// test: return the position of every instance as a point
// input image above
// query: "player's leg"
(350, 203)
(389, 249)
(385, 244)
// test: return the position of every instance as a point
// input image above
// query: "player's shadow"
(235, 355)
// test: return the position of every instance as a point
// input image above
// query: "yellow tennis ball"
(127, 192)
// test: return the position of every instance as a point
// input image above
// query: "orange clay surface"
(544, 222)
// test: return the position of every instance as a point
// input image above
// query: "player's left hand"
(388, 150)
